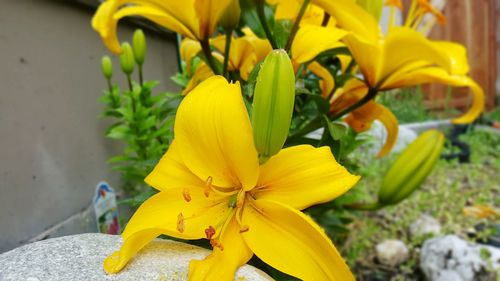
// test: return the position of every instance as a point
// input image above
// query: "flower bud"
(373, 7)
(139, 46)
(411, 168)
(231, 17)
(127, 61)
(273, 102)
(107, 67)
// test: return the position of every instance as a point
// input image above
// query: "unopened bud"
(231, 17)
(107, 67)
(139, 46)
(374, 7)
(273, 102)
(411, 168)
(127, 61)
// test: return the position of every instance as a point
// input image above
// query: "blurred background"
(53, 150)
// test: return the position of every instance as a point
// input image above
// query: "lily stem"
(205, 46)
(263, 21)
(227, 48)
(316, 123)
(295, 27)
(372, 92)
(364, 206)
(140, 74)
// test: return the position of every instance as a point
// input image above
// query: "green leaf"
(282, 29)
(119, 132)
(336, 129)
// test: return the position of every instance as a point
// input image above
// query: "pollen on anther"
(215, 244)
(208, 185)
(186, 195)
(244, 228)
(180, 223)
(210, 232)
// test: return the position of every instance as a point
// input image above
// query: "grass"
(449, 188)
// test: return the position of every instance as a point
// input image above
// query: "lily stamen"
(186, 195)
(180, 223)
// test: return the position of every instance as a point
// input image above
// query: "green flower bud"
(231, 17)
(273, 101)
(374, 7)
(411, 168)
(139, 46)
(127, 61)
(107, 67)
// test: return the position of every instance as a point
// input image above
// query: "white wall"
(52, 147)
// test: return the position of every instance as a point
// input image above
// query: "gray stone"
(404, 138)
(443, 255)
(392, 252)
(425, 225)
(80, 257)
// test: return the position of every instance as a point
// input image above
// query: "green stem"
(129, 80)
(364, 206)
(371, 94)
(313, 125)
(110, 86)
(226, 52)
(205, 46)
(263, 22)
(295, 27)
(140, 74)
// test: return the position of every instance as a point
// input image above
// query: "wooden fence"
(473, 24)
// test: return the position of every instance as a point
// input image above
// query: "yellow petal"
(202, 72)
(242, 54)
(302, 176)
(439, 75)
(327, 83)
(209, 12)
(457, 54)
(404, 46)
(222, 264)
(162, 210)
(188, 50)
(170, 213)
(286, 9)
(390, 122)
(117, 261)
(291, 242)
(351, 17)
(324, 38)
(170, 172)
(175, 15)
(214, 135)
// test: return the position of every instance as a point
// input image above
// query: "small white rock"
(392, 252)
(425, 225)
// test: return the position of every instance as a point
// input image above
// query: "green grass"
(449, 188)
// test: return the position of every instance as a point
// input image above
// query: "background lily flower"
(196, 19)
(404, 57)
(361, 119)
(211, 186)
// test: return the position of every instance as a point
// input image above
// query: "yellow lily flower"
(402, 58)
(196, 19)
(362, 118)
(211, 186)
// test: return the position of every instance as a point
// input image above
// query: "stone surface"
(79, 257)
(405, 137)
(445, 258)
(425, 225)
(392, 252)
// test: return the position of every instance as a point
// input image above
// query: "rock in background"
(450, 258)
(80, 257)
